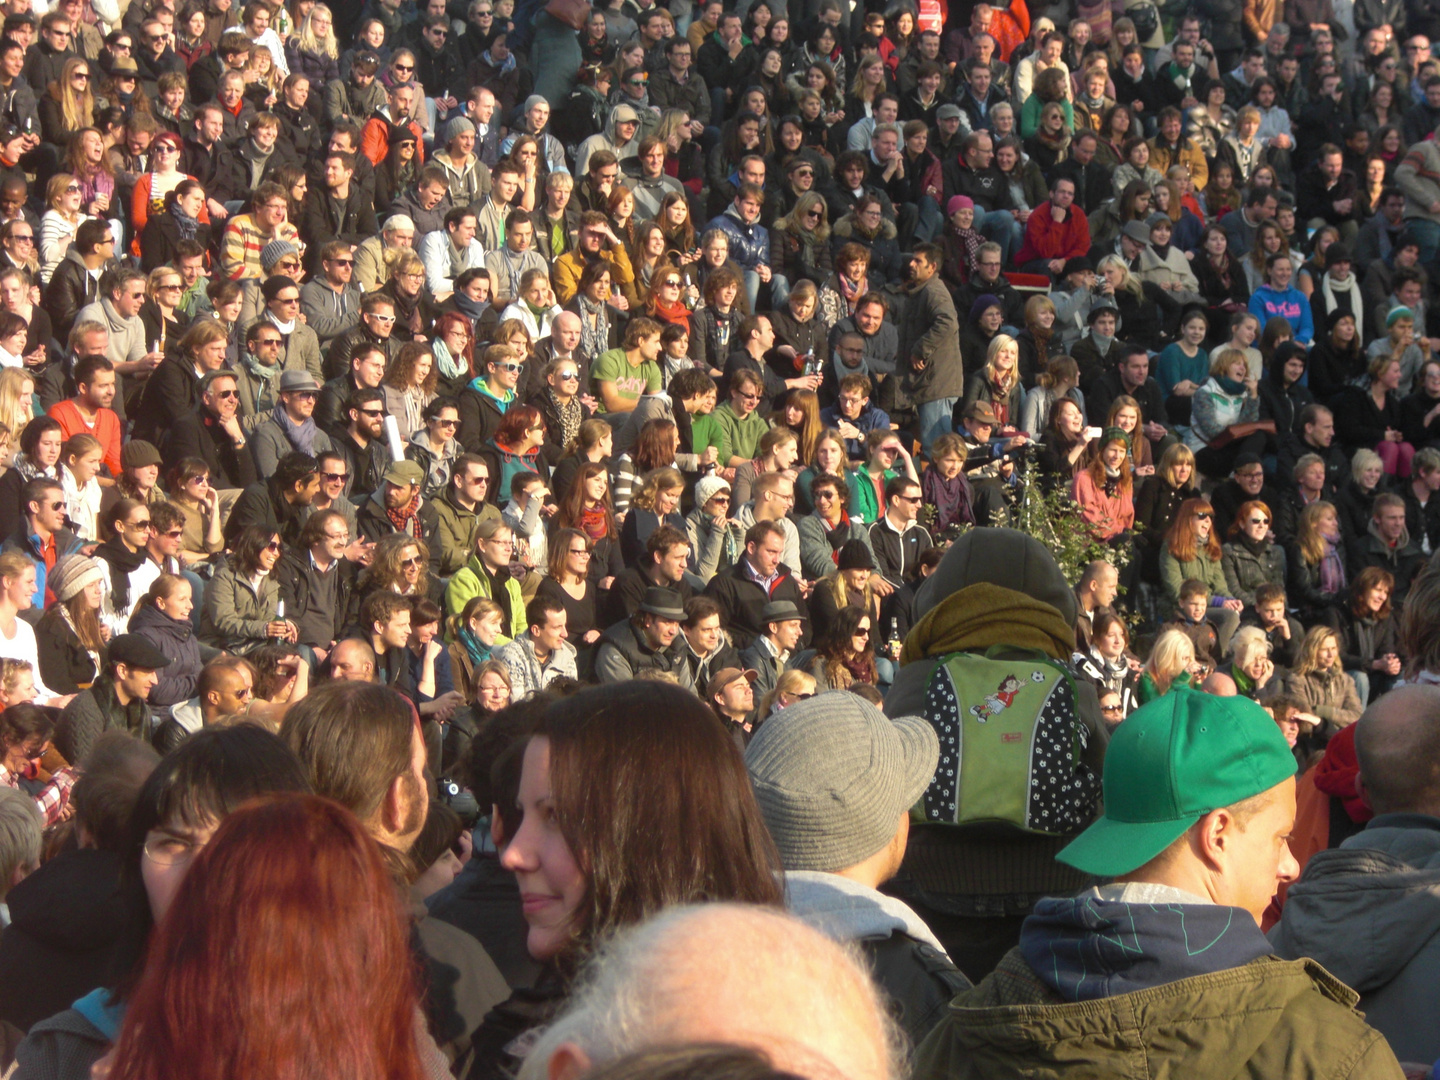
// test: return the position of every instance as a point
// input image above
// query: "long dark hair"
(838, 650)
(572, 507)
(643, 775)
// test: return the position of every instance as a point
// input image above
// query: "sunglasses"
(174, 534)
(343, 262)
(673, 283)
(223, 394)
(863, 631)
(404, 67)
(383, 318)
(267, 341)
(1259, 521)
(57, 506)
(372, 412)
(73, 187)
(273, 545)
(448, 423)
(414, 560)
(333, 477)
(288, 299)
(508, 366)
(23, 238)
(1109, 708)
(140, 524)
(569, 376)
(1204, 515)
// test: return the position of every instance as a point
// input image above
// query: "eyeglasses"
(333, 477)
(169, 850)
(582, 552)
(339, 538)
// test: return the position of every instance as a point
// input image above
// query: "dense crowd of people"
(495, 494)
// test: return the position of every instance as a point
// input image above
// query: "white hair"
(645, 984)
(396, 222)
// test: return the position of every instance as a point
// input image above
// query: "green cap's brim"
(1109, 848)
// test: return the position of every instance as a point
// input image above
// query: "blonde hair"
(1222, 359)
(792, 682)
(1128, 281)
(12, 385)
(1307, 533)
(326, 46)
(1176, 454)
(1005, 380)
(1170, 656)
(1309, 661)
(1364, 459)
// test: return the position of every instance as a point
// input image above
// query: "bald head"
(352, 660)
(1398, 743)
(1220, 684)
(778, 987)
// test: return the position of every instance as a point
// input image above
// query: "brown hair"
(1180, 540)
(643, 775)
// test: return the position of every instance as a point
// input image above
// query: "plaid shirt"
(53, 798)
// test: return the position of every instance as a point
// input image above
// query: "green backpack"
(1011, 743)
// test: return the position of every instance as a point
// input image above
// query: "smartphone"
(1092, 433)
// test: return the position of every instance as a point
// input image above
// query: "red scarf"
(593, 522)
(677, 314)
(410, 513)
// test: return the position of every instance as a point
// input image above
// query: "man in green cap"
(1164, 971)
(399, 507)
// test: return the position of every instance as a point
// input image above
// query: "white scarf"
(286, 328)
(1351, 289)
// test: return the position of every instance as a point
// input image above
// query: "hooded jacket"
(176, 639)
(480, 416)
(995, 587)
(906, 959)
(66, 918)
(1112, 983)
(1367, 911)
(607, 140)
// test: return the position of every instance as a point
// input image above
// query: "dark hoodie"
(964, 870)
(176, 639)
(66, 918)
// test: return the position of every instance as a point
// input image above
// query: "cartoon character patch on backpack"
(1017, 754)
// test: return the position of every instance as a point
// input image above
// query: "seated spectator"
(115, 701)
(68, 636)
(1319, 684)
(646, 641)
(241, 610)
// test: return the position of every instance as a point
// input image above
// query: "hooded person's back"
(974, 883)
(1369, 911)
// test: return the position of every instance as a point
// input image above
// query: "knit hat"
(401, 133)
(855, 555)
(276, 250)
(1337, 253)
(1115, 434)
(71, 574)
(1398, 313)
(273, 285)
(456, 127)
(959, 202)
(832, 776)
(532, 101)
(137, 453)
(1078, 265)
(708, 487)
(983, 301)
(948, 112)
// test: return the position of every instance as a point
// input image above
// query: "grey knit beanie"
(72, 574)
(276, 250)
(456, 127)
(833, 774)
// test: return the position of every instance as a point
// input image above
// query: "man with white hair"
(835, 780)
(776, 986)
(398, 232)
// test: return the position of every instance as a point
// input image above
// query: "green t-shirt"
(630, 382)
(742, 434)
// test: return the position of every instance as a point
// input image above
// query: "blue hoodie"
(1086, 948)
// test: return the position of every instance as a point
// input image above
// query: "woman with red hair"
(283, 955)
(515, 447)
(1105, 488)
(453, 346)
(1192, 551)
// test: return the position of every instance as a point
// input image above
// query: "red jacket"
(1046, 238)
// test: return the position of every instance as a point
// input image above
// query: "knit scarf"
(570, 416)
(475, 649)
(122, 562)
(677, 313)
(444, 362)
(414, 407)
(1351, 288)
(301, 436)
(982, 615)
(471, 309)
(269, 379)
(407, 518)
(30, 470)
(594, 328)
(593, 524)
(184, 222)
(1332, 571)
(851, 292)
(407, 312)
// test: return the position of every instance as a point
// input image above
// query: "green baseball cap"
(1168, 765)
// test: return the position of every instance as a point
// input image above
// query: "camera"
(460, 800)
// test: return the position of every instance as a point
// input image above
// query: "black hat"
(665, 603)
(1337, 253)
(273, 285)
(135, 650)
(1245, 460)
(855, 555)
(1078, 264)
(400, 133)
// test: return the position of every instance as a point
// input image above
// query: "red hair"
(515, 423)
(284, 956)
(455, 319)
(1181, 538)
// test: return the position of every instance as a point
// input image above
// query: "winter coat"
(176, 639)
(929, 330)
(473, 580)
(1174, 573)
(1386, 880)
(66, 666)
(527, 677)
(237, 611)
(742, 599)
(1229, 1010)
(1045, 238)
(749, 243)
(623, 654)
(885, 261)
(66, 919)
(93, 712)
(1330, 695)
(1245, 571)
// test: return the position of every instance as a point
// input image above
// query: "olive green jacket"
(1265, 1020)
